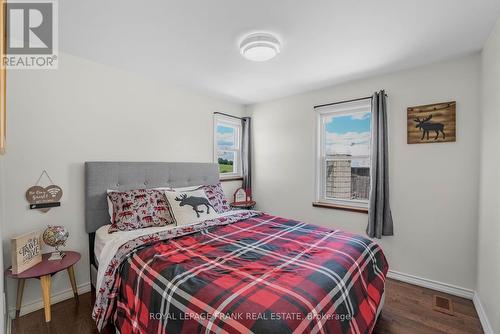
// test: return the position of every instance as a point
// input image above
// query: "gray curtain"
(379, 211)
(246, 152)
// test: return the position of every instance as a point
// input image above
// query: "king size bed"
(237, 272)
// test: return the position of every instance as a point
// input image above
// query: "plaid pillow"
(139, 208)
(217, 198)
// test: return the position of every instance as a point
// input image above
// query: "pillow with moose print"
(139, 208)
(215, 195)
(190, 206)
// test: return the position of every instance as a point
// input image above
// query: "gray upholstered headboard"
(101, 176)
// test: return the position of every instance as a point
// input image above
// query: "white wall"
(489, 210)
(86, 111)
(434, 187)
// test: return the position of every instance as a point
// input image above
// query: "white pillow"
(190, 206)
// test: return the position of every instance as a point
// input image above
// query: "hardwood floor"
(408, 309)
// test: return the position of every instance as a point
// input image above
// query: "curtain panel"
(379, 210)
(246, 152)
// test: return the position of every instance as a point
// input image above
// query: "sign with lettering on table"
(26, 251)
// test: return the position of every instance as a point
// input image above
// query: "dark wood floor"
(408, 309)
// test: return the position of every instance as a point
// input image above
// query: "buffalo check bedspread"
(247, 273)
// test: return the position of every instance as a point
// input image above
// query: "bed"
(243, 272)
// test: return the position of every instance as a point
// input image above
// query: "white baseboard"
(9, 323)
(54, 298)
(487, 328)
(430, 284)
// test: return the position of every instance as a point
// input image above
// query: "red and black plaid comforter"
(263, 274)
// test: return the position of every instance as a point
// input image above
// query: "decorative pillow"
(190, 188)
(217, 198)
(190, 206)
(110, 204)
(139, 208)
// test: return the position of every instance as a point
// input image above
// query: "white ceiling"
(195, 42)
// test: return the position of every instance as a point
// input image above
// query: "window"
(343, 154)
(227, 145)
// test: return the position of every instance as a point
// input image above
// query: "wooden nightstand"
(44, 272)
(245, 205)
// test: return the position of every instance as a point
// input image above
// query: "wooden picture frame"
(26, 251)
(432, 123)
(3, 78)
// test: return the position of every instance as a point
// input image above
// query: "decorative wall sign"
(26, 251)
(44, 198)
(433, 123)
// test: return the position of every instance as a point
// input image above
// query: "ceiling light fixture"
(260, 46)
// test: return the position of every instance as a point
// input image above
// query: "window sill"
(340, 207)
(232, 178)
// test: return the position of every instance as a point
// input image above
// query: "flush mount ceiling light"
(260, 46)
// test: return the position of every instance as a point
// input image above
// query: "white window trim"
(234, 123)
(319, 166)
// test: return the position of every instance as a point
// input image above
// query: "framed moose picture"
(432, 123)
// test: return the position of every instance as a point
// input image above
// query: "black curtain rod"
(346, 101)
(221, 113)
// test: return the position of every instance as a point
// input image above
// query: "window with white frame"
(227, 145)
(343, 153)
